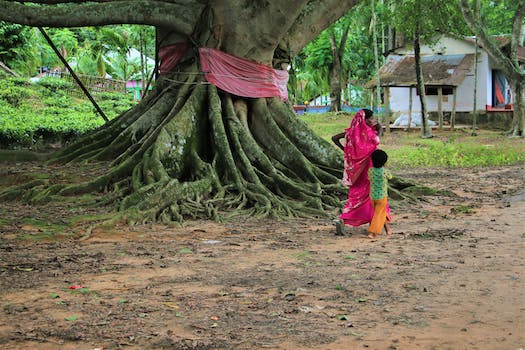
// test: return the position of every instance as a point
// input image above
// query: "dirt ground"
(450, 277)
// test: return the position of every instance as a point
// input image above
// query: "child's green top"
(379, 182)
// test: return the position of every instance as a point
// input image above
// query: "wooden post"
(409, 108)
(440, 107)
(453, 114)
(387, 108)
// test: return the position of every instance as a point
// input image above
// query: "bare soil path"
(450, 277)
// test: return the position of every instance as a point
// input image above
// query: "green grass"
(446, 149)
(327, 125)
(454, 149)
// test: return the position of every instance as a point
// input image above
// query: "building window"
(433, 90)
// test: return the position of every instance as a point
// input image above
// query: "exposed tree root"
(190, 150)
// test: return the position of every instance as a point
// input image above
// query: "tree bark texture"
(426, 132)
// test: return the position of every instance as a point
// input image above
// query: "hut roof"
(438, 70)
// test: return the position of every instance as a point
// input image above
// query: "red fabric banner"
(170, 55)
(242, 77)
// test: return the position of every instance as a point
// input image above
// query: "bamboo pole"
(440, 107)
(453, 114)
(409, 108)
(387, 108)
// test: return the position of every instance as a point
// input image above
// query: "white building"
(448, 71)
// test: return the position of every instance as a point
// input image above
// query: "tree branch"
(314, 18)
(344, 39)
(516, 29)
(492, 48)
(174, 15)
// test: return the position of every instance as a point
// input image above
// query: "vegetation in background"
(34, 114)
(446, 149)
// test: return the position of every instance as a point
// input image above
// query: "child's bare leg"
(388, 229)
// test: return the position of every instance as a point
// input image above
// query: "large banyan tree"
(216, 132)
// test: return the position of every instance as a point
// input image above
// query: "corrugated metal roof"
(439, 70)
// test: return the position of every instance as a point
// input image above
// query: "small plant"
(463, 209)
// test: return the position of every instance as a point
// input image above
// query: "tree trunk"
(337, 68)
(475, 92)
(376, 58)
(335, 76)
(518, 120)
(426, 132)
(143, 63)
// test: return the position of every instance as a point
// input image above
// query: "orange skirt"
(380, 215)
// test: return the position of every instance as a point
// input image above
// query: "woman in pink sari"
(362, 138)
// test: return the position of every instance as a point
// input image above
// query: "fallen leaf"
(24, 268)
(172, 305)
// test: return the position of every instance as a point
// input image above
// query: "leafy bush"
(14, 90)
(55, 85)
(35, 114)
(59, 102)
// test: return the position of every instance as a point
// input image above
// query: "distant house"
(135, 88)
(448, 70)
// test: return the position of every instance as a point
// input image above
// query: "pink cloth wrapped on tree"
(361, 141)
(242, 77)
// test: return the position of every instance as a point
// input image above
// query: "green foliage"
(34, 115)
(428, 17)
(327, 125)
(15, 44)
(55, 85)
(498, 15)
(14, 90)
(471, 151)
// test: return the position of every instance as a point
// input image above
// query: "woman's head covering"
(361, 141)
(368, 113)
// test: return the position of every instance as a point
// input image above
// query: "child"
(379, 176)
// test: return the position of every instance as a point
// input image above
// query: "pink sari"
(361, 141)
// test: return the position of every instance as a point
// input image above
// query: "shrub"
(14, 90)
